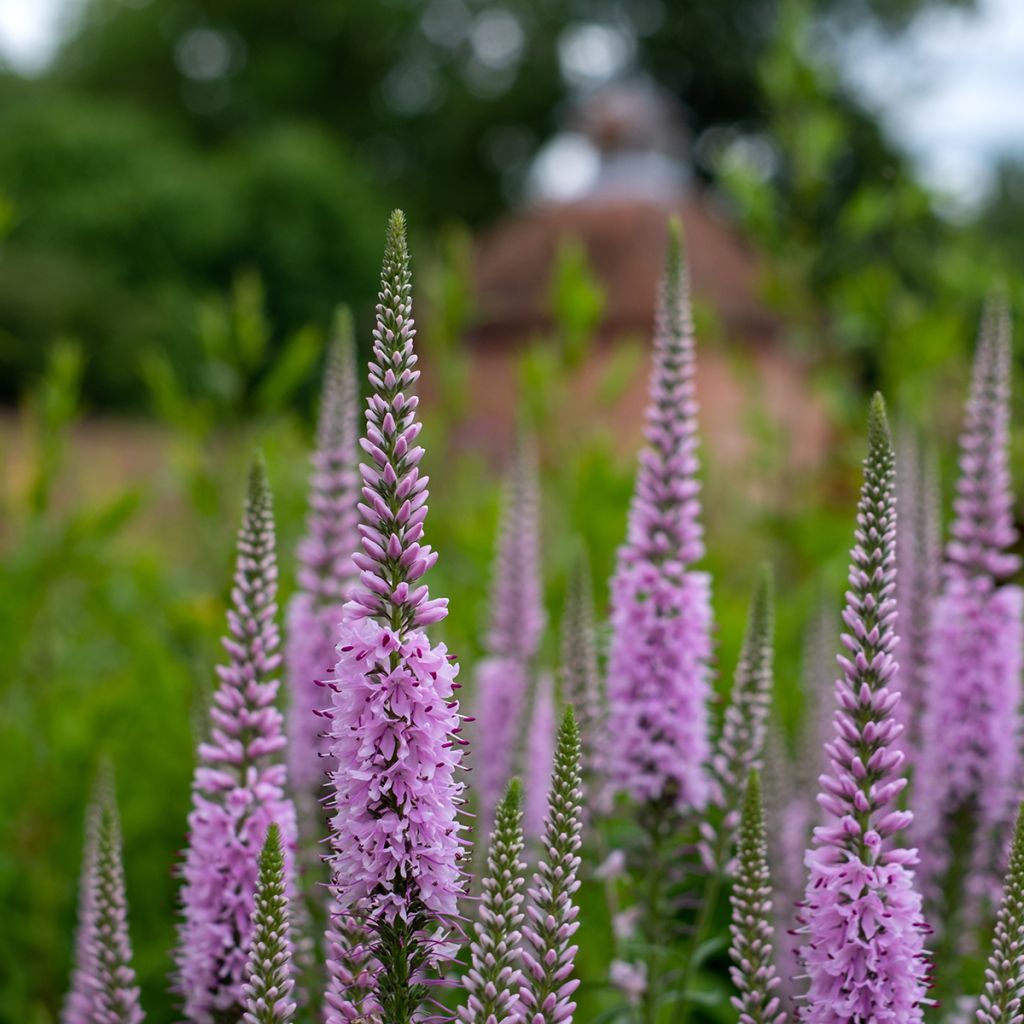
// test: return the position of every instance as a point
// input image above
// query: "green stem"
(659, 818)
(681, 1014)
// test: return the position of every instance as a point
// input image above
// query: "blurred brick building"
(636, 179)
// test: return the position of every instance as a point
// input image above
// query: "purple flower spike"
(659, 676)
(103, 989)
(540, 756)
(863, 931)
(394, 506)
(351, 970)
(740, 748)
(503, 678)
(1003, 999)
(239, 787)
(269, 973)
(493, 978)
(549, 954)
(396, 838)
(970, 761)
(753, 935)
(326, 573)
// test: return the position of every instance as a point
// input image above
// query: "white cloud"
(950, 92)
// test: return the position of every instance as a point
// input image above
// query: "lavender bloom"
(918, 558)
(395, 837)
(103, 984)
(351, 970)
(326, 573)
(740, 747)
(753, 971)
(517, 621)
(863, 931)
(548, 955)
(493, 978)
(581, 681)
(1003, 999)
(239, 786)
(77, 1006)
(269, 976)
(659, 676)
(540, 755)
(970, 752)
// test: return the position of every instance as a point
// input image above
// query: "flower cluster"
(549, 955)
(659, 676)
(863, 931)
(351, 968)
(395, 834)
(325, 572)
(269, 981)
(970, 753)
(753, 971)
(1003, 999)
(103, 989)
(493, 978)
(239, 788)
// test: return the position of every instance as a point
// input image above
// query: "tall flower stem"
(549, 953)
(103, 986)
(1003, 999)
(752, 929)
(860, 883)
(239, 786)
(739, 751)
(395, 832)
(493, 979)
(269, 972)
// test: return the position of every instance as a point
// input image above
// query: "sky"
(950, 91)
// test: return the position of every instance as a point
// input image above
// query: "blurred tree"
(176, 142)
(117, 223)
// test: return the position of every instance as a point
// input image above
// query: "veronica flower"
(740, 747)
(269, 974)
(549, 953)
(326, 573)
(1003, 999)
(863, 932)
(753, 971)
(970, 761)
(352, 969)
(581, 681)
(503, 677)
(396, 844)
(658, 674)
(493, 978)
(103, 981)
(540, 754)
(239, 787)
